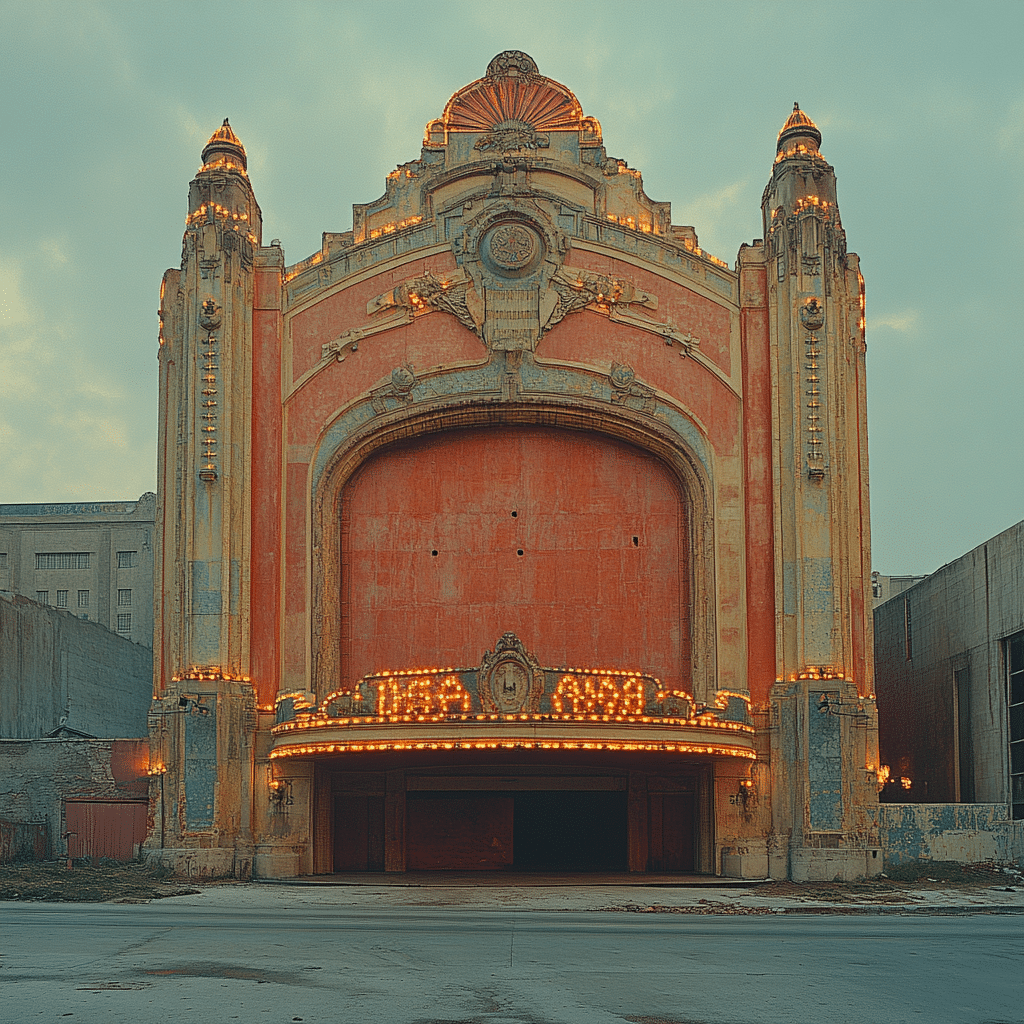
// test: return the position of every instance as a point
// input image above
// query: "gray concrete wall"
(966, 833)
(54, 666)
(37, 777)
(960, 617)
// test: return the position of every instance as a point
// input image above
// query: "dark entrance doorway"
(567, 831)
(531, 831)
(429, 815)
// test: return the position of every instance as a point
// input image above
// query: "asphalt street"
(170, 961)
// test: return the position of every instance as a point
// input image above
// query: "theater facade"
(512, 530)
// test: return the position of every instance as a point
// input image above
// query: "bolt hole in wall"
(434, 553)
(519, 551)
(636, 542)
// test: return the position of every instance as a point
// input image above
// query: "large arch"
(650, 435)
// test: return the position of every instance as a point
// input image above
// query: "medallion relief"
(510, 679)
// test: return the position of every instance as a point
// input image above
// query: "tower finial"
(224, 149)
(799, 127)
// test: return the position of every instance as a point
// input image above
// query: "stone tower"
(203, 701)
(822, 706)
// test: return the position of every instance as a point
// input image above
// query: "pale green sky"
(104, 108)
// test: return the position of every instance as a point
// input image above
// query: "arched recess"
(646, 433)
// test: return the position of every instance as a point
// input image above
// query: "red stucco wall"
(581, 594)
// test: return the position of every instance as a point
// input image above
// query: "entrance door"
(670, 837)
(458, 831)
(358, 832)
(114, 829)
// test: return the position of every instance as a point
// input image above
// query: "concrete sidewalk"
(996, 892)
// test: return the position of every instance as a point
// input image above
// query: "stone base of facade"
(216, 862)
(749, 862)
(273, 861)
(809, 864)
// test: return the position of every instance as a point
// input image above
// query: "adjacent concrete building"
(884, 587)
(950, 674)
(511, 528)
(74, 757)
(92, 559)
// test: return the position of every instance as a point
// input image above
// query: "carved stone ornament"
(398, 392)
(812, 315)
(510, 136)
(513, 63)
(510, 680)
(350, 340)
(209, 316)
(512, 286)
(628, 391)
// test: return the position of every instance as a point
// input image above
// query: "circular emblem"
(622, 376)
(512, 249)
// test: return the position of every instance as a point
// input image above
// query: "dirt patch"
(52, 882)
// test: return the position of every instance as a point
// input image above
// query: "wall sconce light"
(280, 791)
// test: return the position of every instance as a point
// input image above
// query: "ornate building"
(511, 528)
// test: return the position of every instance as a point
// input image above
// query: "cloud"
(715, 215)
(905, 322)
(63, 425)
(56, 250)
(14, 308)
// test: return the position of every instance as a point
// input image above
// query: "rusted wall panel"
(38, 776)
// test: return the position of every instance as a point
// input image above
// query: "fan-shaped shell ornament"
(513, 93)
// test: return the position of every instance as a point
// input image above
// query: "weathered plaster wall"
(575, 542)
(959, 617)
(59, 670)
(967, 833)
(38, 776)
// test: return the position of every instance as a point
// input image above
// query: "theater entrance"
(490, 820)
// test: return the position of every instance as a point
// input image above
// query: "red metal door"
(114, 829)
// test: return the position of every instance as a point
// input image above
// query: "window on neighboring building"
(124, 623)
(124, 599)
(43, 596)
(3, 559)
(1015, 694)
(83, 599)
(126, 559)
(62, 559)
(62, 599)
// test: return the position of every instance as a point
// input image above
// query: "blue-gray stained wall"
(966, 833)
(200, 769)
(824, 767)
(54, 667)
